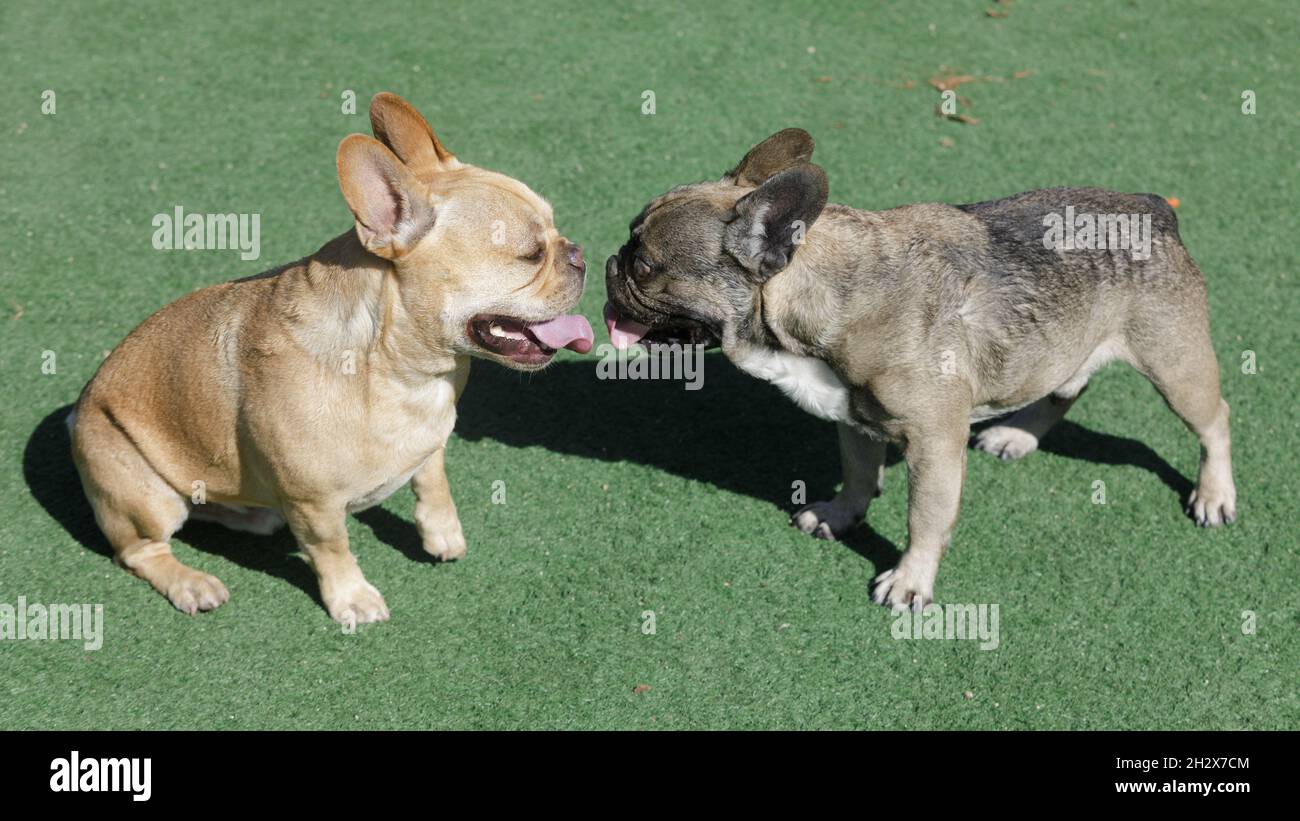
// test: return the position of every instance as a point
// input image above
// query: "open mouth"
(625, 332)
(530, 344)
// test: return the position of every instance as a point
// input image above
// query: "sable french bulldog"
(319, 388)
(907, 325)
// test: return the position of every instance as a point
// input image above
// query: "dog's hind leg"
(1186, 373)
(863, 461)
(138, 512)
(1020, 433)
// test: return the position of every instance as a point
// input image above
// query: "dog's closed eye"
(535, 255)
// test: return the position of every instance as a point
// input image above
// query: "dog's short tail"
(1165, 217)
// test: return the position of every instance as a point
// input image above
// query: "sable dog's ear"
(404, 130)
(391, 206)
(773, 155)
(766, 225)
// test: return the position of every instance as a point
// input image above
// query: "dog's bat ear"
(391, 205)
(772, 156)
(407, 134)
(767, 225)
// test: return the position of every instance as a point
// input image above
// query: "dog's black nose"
(574, 254)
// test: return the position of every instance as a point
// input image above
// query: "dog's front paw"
(1006, 442)
(354, 602)
(825, 520)
(445, 542)
(192, 591)
(909, 585)
(1211, 507)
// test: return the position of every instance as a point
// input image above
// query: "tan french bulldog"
(319, 388)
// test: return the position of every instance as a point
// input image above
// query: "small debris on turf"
(968, 695)
(640, 688)
(1003, 9)
(965, 119)
(949, 81)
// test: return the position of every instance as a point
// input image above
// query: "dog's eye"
(640, 267)
(535, 256)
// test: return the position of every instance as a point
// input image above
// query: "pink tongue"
(570, 331)
(623, 332)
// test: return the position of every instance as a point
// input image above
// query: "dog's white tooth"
(501, 333)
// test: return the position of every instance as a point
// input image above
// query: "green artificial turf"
(624, 497)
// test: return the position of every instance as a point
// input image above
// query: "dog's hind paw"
(1006, 442)
(825, 520)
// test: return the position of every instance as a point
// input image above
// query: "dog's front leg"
(322, 533)
(936, 468)
(863, 461)
(435, 512)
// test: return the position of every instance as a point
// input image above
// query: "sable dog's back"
(1019, 229)
(1036, 282)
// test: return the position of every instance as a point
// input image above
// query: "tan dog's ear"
(775, 154)
(391, 206)
(404, 130)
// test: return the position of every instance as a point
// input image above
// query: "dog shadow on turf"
(1077, 442)
(735, 432)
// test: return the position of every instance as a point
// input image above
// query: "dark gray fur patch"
(1016, 230)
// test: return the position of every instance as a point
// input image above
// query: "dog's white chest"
(809, 382)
